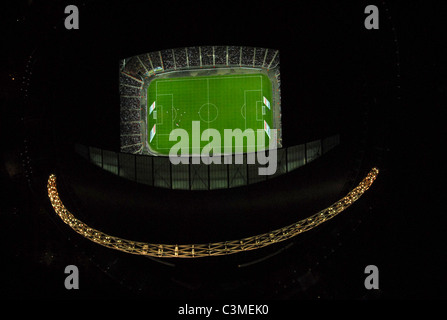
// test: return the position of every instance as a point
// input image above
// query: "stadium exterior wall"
(160, 172)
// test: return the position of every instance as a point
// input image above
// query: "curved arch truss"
(208, 249)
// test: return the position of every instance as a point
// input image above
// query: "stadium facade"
(160, 172)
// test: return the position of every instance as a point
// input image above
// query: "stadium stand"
(155, 60)
(134, 67)
(127, 90)
(180, 58)
(144, 62)
(130, 140)
(247, 56)
(167, 57)
(129, 103)
(206, 56)
(193, 57)
(272, 59)
(125, 78)
(234, 56)
(220, 54)
(259, 57)
(130, 115)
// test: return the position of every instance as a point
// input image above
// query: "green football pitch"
(218, 102)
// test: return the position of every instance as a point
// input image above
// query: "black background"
(402, 232)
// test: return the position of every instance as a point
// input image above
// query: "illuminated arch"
(208, 249)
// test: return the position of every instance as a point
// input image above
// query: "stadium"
(95, 114)
(220, 86)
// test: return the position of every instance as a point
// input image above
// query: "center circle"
(208, 112)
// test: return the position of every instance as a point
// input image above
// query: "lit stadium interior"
(91, 183)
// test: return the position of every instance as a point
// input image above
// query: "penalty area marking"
(160, 116)
(259, 107)
(243, 111)
(245, 103)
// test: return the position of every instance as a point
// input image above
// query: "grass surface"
(218, 102)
